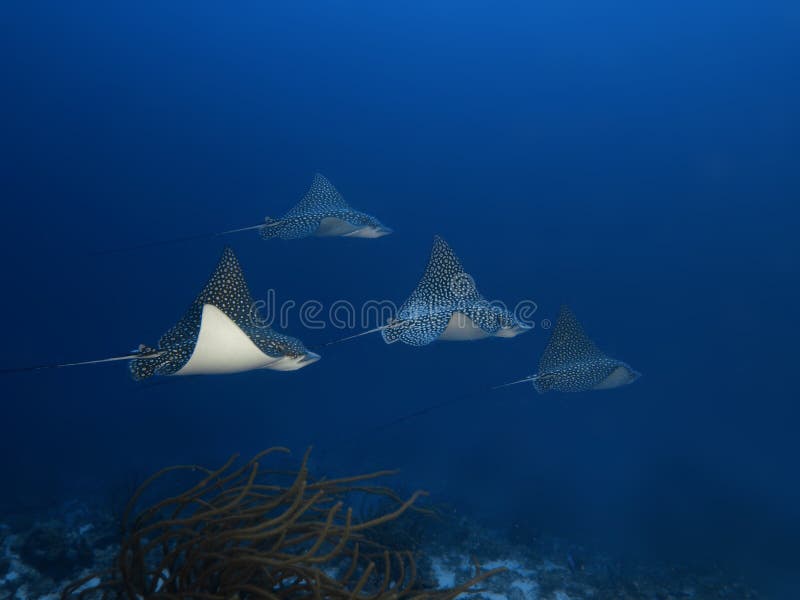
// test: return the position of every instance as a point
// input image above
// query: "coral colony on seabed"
(247, 530)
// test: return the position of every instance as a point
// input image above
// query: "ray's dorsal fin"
(320, 198)
(568, 344)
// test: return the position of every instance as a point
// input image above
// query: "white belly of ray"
(461, 328)
(222, 347)
(332, 226)
(619, 376)
(369, 233)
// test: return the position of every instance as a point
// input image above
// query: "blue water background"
(636, 160)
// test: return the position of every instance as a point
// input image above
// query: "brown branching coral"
(238, 533)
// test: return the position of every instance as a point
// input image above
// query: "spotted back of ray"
(227, 290)
(445, 288)
(568, 343)
(571, 362)
(444, 280)
(320, 199)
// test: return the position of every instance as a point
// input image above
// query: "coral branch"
(237, 533)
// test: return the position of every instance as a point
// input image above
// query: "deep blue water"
(638, 162)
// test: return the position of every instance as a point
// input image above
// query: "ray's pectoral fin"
(271, 228)
(144, 367)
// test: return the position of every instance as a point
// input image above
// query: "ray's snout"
(309, 357)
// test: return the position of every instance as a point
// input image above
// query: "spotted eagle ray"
(446, 305)
(322, 212)
(571, 362)
(217, 334)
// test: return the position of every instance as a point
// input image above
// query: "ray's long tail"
(529, 378)
(145, 353)
(184, 239)
(350, 337)
(393, 324)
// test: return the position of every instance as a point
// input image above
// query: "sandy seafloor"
(41, 553)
